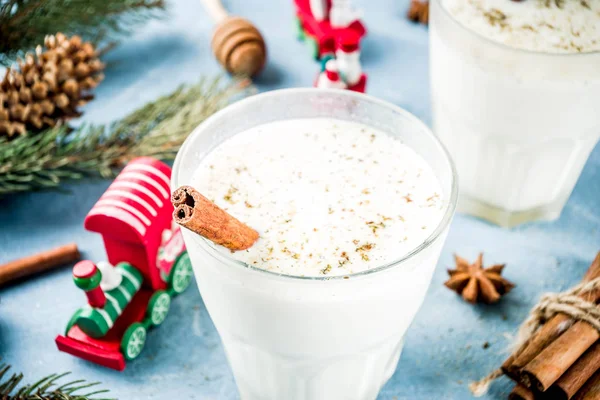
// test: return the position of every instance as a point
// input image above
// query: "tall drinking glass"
(289, 337)
(519, 124)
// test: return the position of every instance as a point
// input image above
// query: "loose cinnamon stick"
(571, 381)
(591, 389)
(200, 215)
(37, 263)
(520, 392)
(551, 330)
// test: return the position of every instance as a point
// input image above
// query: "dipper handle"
(236, 43)
(215, 9)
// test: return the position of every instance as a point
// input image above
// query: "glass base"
(262, 375)
(507, 218)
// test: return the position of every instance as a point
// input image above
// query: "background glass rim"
(506, 47)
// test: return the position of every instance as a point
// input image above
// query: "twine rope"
(550, 304)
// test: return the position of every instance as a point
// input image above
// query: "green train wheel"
(181, 275)
(158, 307)
(133, 341)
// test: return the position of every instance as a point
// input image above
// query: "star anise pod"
(475, 283)
(419, 11)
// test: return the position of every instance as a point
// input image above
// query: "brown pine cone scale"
(47, 88)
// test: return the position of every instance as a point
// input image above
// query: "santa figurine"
(330, 78)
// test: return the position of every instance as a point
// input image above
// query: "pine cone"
(49, 86)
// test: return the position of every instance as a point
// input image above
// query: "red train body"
(148, 267)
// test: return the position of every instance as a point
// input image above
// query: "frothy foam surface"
(328, 197)
(549, 26)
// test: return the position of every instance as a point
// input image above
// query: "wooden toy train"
(147, 266)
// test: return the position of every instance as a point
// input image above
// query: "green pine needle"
(158, 129)
(46, 388)
(25, 23)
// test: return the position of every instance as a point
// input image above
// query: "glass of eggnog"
(352, 198)
(515, 92)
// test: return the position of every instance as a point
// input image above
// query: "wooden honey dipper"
(236, 43)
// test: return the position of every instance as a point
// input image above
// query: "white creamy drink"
(328, 197)
(352, 198)
(515, 91)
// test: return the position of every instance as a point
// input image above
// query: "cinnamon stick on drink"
(39, 262)
(551, 330)
(200, 215)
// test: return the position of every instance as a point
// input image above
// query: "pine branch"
(46, 388)
(158, 129)
(25, 23)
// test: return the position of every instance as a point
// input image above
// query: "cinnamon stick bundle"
(547, 334)
(200, 215)
(551, 330)
(561, 361)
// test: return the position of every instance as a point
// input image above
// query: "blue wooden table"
(184, 359)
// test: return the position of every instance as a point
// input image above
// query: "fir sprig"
(46, 388)
(158, 129)
(25, 23)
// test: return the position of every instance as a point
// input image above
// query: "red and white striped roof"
(139, 196)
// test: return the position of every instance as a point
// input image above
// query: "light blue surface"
(184, 358)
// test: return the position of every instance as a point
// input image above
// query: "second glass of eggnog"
(515, 92)
(352, 198)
